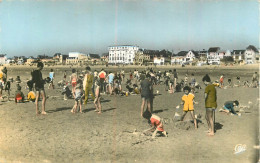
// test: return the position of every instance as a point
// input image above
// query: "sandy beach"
(61, 136)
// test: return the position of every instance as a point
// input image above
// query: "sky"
(36, 27)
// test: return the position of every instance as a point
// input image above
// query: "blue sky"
(35, 27)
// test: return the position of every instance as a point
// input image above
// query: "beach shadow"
(59, 109)
(158, 111)
(108, 109)
(218, 126)
(199, 121)
(103, 101)
(157, 94)
(88, 110)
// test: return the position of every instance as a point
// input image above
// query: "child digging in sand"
(78, 98)
(188, 104)
(156, 126)
(229, 107)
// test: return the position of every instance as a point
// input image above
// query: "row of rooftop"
(128, 54)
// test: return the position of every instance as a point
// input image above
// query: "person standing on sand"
(3, 75)
(97, 101)
(39, 87)
(87, 84)
(73, 81)
(65, 76)
(255, 80)
(210, 103)
(175, 77)
(188, 104)
(110, 78)
(102, 77)
(51, 75)
(221, 81)
(146, 93)
(78, 98)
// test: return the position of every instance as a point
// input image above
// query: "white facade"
(76, 54)
(190, 56)
(177, 60)
(158, 61)
(75, 58)
(3, 59)
(250, 56)
(213, 56)
(182, 59)
(221, 54)
(228, 53)
(213, 60)
(238, 55)
(122, 54)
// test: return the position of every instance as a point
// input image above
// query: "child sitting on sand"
(66, 92)
(78, 98)
(246, 84)
(19, 96)
(18, 80)
(31, 95)
(156, 126)
(229, 107)
(188, 104)
(229, 82)
(237, 82)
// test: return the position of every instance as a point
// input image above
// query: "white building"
(123, 54)
(251, 55)
(213, 55)
(191, 55)
(2, 59)
(238, 55)
(158, 60)
(228, 53)
(177, 60)
(184, 57)
(76, 58)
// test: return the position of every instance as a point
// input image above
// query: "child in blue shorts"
(229, 107)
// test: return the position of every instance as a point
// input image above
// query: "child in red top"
(19, 96)
(156, 125)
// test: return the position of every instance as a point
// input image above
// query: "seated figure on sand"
(19, 96)
(31, 96)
